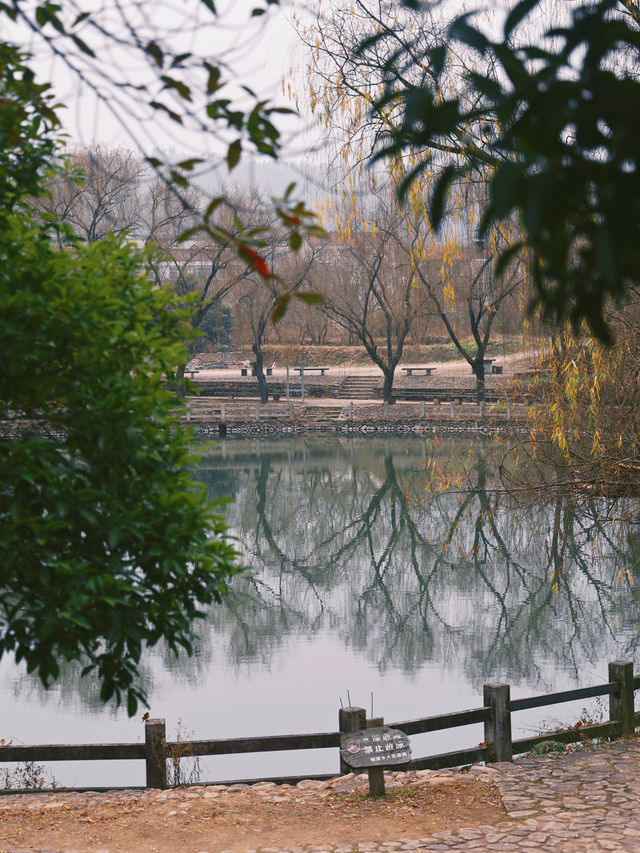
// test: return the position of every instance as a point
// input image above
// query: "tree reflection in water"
(411, 552)
(360, 538)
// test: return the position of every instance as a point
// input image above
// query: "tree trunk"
(259, 368)
(180, 389)
(478, 371)
(387, 387)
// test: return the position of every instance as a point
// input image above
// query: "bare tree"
(201, 269)
(260, 299)
(98, 193)
(466, 277)
(371, 291)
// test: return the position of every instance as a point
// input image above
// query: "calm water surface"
(394, 567)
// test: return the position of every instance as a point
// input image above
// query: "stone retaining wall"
(360, 424)
(461, 427)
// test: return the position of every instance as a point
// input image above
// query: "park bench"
(411, 370)
(320, 370)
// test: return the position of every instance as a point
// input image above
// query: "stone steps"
(317, 417)
(360, 388)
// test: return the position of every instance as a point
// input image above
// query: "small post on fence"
(621, 704)
(497, 729)
(350, 720)
(376, 774)
(155, 744)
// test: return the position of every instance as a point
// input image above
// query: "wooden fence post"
(376, 774)
(350, 720)
(621, 705)
(497, 729)
(155, 742)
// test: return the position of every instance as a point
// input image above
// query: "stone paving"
(582, 802)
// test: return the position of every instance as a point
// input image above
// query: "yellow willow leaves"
(449, 294)
(571, 375)
(624, 574)
(597, 448)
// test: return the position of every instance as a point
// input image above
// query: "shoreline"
(213, 418)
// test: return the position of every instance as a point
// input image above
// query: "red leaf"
(255, 260)
(291, 220)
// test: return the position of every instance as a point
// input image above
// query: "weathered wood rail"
(495, 714)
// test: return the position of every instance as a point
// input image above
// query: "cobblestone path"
(578, 803)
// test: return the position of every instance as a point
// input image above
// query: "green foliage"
(105, 544)
(27, 122)
(554, 129)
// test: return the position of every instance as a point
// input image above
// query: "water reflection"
(358, 537)
(366, 567)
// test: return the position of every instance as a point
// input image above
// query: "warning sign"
(379, 747)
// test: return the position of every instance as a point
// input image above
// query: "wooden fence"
(495, 714)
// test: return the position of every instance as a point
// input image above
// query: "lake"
(398, 571)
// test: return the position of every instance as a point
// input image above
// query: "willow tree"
(357, 56)
(586, 406)
(552, 104)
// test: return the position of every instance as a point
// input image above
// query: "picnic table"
(320, 370)
(411, 370)
(490, 367)
(192, 372)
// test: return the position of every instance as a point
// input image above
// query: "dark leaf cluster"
(553, 131)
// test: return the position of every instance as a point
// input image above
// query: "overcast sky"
(259, 52)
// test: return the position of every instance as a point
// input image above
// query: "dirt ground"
(204, 819)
